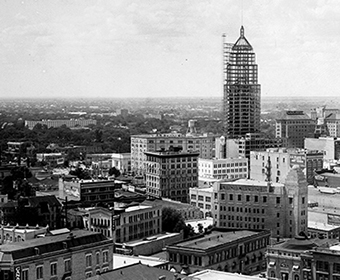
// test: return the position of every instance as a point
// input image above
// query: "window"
(278, 200)
(39, 272)
(231, 197)
(256, 198)
(239, 197)
(97, 258)
(24, 274)
(67, 264)
(264, 199)
(247, 197)
(303, 200)
(105, 256)
(53, 268)
(88, 259)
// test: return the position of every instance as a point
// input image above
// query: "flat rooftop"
(321, 226)
(151, 238)
(214, 239)
(137, 207)
(250, 182)
(125, 260)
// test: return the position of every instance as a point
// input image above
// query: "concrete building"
(282, 160)
(171, 174)
(323, 230)
(242, 92)
(71, 123)
(90, 191)
(250, 204)
(295, 126)
(330, 146)
(205, 198)
(203, 144)
(241, 147)
(228, 168)
(240, 251)
(126, 223)
(76, 255)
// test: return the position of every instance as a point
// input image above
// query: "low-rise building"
(285, 259)
(71, 123)
(329, 145)
(76, 255)
(122, 162)
(239, 251)
(205, 198)
(11, 234)
(323, 230)
(51, 159)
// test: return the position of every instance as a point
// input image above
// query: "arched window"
(272, 274)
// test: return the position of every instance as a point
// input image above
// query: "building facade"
(171, 174)
(241, 251)
(76, 255)
(203, 144)
(295, 126)
(329, 145)
(250, 204)
(242, 92)
(205, 198)
(228, 168)
(57, 123)
(282, 160)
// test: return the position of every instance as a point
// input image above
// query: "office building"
(250, 204)
(282, 160)
(76, 255)
(241, 147)
(203, 144)
(228, 168)
(295, 126)
(242, 92)
(241, 251)
(171, 174)
(205, 198)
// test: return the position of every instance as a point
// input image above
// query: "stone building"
(250, 204)
(171, 174)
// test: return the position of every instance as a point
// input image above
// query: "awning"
(271, 263)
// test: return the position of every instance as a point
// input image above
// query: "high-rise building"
(171, 174)
(295, 126)
(241, 100)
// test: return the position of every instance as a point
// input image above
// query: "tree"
(114, 171)
(172, 221)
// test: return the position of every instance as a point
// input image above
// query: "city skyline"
(163, 49)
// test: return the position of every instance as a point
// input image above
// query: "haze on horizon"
(127, 48)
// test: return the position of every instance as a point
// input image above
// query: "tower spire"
(242, 31)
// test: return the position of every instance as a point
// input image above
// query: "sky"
(164, 48)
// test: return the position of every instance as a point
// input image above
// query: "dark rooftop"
(48, 244)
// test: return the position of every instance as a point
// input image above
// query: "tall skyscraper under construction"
(242, 93)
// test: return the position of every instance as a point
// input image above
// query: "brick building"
(239, 251)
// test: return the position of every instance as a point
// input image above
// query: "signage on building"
(297, 160)
(333, 219)
(17, 273)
